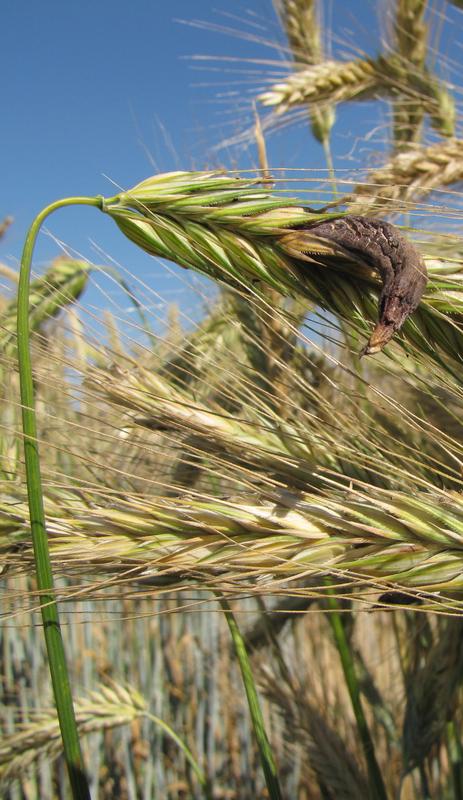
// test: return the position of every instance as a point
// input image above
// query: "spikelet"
(62, 284)
(410, 34)
(331, 81)
(409, 176)
(104, 708)
(239, 235)
(431, 694)
(391, 537)
(300, 20)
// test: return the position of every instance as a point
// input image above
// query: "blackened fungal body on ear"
(379, 244)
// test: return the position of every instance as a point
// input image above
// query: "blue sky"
(101, 91)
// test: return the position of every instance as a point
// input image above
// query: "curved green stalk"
(265, 750)
(50, 619)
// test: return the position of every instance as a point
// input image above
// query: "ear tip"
(381, 335)
(370, 350)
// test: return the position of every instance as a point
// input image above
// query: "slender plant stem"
(53, 638)
(330, 165)
(265, 750)
(377, 788)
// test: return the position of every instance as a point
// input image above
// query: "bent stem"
(265, 750)
(50, 619)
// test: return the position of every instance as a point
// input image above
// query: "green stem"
(265, 750)
(377, 788)
(53, 638)
(330, 165)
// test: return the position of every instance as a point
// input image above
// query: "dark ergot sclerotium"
(380, 245)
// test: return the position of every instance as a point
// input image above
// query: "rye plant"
(230, 229)
(290, 467)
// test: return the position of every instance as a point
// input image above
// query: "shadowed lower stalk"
(377, 788)
(265, 750)
(50, 619)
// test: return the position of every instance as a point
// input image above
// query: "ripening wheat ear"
(300, 21)
(228, 229)
(407, 177)
(61, 285)
(381, 536)
(106, 707)
(242, 235)
(329, 81)
(329, 758)
(338, 81)
(431, 694)
(399, 74)
(410, 40)
(299, 18)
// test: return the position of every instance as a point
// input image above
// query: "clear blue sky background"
(99, 88)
